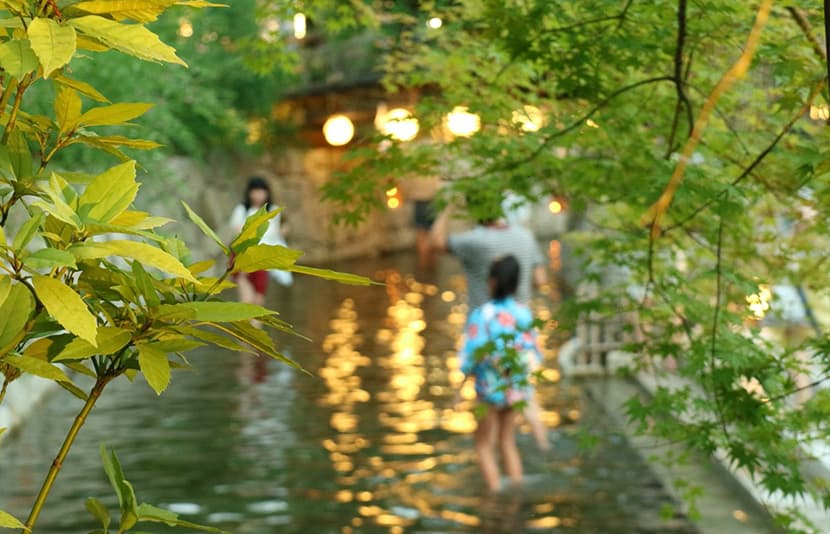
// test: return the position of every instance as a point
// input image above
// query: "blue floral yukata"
(502, 323)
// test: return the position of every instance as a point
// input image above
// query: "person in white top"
(253, 286)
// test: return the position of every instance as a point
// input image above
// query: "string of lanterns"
(401, 125)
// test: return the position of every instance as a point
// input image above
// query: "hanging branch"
(738, 69)
(682, 98)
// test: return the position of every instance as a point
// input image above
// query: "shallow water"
(371, 443)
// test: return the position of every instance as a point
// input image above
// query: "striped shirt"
(477, 248)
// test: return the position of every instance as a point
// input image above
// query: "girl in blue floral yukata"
(499, 351)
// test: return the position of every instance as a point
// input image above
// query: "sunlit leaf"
(155, 367)
(17, 58)
(132, 39)
(264, 257)
(113, 114)
(343, 278)
(15, 312)
(137, 10)
(146, 254)
(28, 231)
(8, 521)
(82, 87)
(211, 311)
(109, 340)
(66, 307)
(254, 228)
(53, 43)
(109, 194)
(37, 367)
(67, 109)
(153, 514)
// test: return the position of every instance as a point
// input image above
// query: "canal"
(370, 443)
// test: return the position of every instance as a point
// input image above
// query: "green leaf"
(142, 252)
(14, 314)
(17, 58)
(19, 154)
(254, 228)
(154, 514)
(67, 109)
(66, 307)
(343, 278)
(46, 258)
(57, 205)
(5, 288)
(99, 511)
(123, 489)
(224, 312)
(8, 521)
(113, 114)
(82, 87)
(53, 43)
(153, 363)
(145, 286)
(37, 367)
(256, 338)
(132, 39)
(110, 340)
(28, 231)
(205, 228)
(101, 141)
(109, 194)
(263, 257)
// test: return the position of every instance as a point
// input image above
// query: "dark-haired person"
(499, 350)
(477, 249)
(253, 286)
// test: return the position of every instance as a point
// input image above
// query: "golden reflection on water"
(428, 477)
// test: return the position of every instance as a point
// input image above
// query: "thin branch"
(738, 69)
(715, 320)
(804, 24)
(757, 161)
(799, 389)
(573, 126)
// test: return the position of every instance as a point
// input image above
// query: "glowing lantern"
(435, 23)
(300, 26)
(185, 28)
(398, 123)
(393, 198)
(338, 130)
(555, 207)
(462, 123)
(529, 118)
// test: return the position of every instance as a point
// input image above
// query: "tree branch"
(757, 161)
(682, 99)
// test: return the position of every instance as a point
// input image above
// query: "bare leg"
(507, 444)
(537, 426)
(484, 438)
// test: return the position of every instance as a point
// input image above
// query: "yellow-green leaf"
(67, 109)
(99, 511)
(254, 228)
(139, 220)
(224, 312)
(154, 365)
(119, 140)
(343, 278)
(204, 227)
(264, 257)
(132, 39)
(52, 43)
(8, 521)
(37, 367)
(109, 339)
(57, 205)
(5, 288)
(137, 10)
(27, 232)
(15, 311)
(113, 114)
(66, 307)
(82, 87)
(17, 58)
(109, 194)
(146, 254)
(93, 45)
